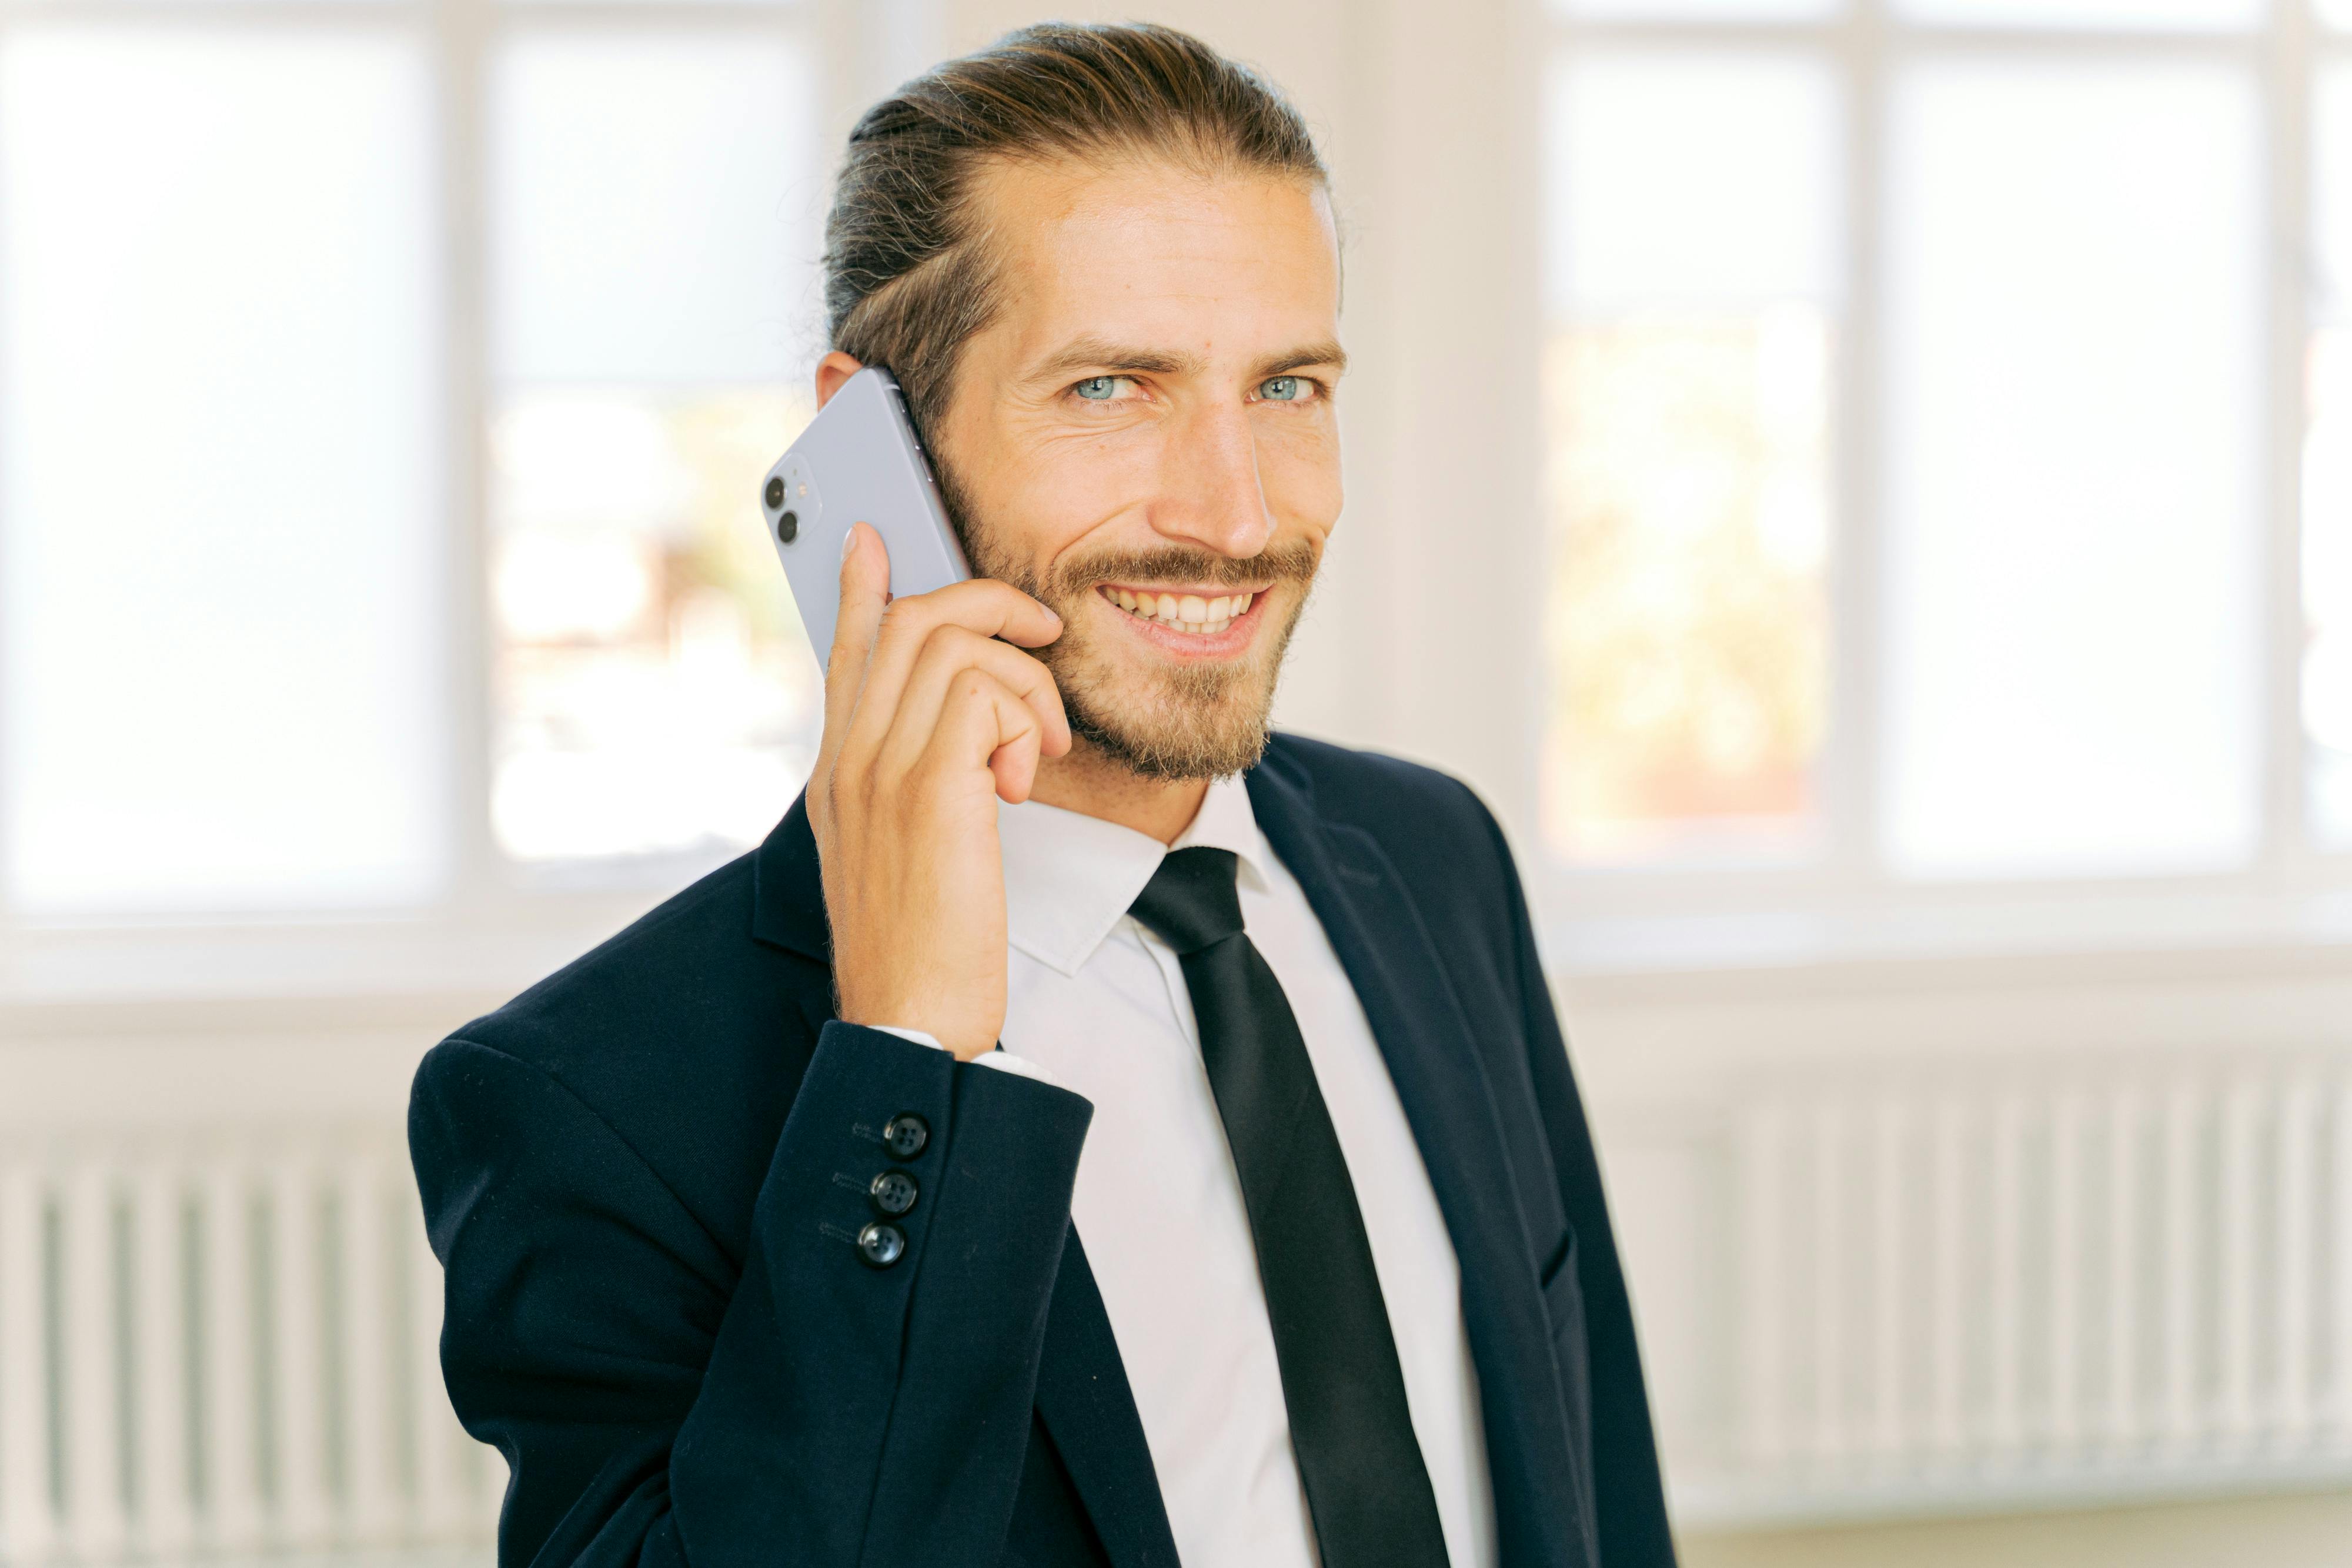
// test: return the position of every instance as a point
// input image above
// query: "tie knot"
(1191, 902)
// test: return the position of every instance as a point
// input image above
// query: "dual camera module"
(788, 524)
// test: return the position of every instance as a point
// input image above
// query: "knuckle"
(945, 638)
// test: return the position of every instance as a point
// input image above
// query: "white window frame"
(498, 918)
(1843, 903)
(1430, 115)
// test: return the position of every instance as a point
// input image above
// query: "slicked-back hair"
(908, 274)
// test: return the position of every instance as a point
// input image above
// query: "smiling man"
(1090, 1130)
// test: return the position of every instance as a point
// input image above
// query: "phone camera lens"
(788, 526)
(776, 494)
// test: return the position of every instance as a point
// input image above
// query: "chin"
(1195, 721)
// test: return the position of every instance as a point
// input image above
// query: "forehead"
(1148, 254)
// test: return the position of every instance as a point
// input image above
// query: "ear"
(831, 371)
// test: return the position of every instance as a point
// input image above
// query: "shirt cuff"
(1000, 1059)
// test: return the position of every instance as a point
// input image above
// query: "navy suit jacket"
(642, 1175)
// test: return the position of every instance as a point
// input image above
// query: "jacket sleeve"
(661, 1403)
(1631, 1489)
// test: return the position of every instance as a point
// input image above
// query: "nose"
(1211, 497)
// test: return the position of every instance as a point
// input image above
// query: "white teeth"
(1184, 612)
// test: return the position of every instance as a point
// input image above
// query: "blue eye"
(1096, 389)
(1279, 388)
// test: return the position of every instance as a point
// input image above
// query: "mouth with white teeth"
(1198, 615)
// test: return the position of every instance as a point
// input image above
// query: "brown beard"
(1191, 721)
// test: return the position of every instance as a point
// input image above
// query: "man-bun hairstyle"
(908, 276)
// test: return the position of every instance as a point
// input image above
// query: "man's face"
(1144, 438)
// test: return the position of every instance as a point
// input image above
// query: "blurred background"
(1863, 487)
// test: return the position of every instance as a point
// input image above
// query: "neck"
(1084, 780)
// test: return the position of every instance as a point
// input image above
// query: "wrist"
(907, 1023)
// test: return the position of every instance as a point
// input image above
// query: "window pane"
(654, 692)
(1681, 179)
(1687, 390)
(2334, 13)
(1686, 622)
(2327, 585)
(2327, 466)
(218, 476)
(2075, 298)
(2189, 14)
(654, 209)
(2331, 193)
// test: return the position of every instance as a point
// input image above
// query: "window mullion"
(2288, 248)
(1851, 759)
(464, 32)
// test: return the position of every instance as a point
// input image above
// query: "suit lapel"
(1425, 1037)
(1087, 1405)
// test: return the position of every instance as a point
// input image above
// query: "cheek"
(1300, 473)
(1065, 488)
(1049, 494)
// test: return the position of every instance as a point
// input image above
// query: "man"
(1086, 1130)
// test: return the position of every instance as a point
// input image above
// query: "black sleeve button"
(906, 1134)
(893, 1192)
(880, 1245)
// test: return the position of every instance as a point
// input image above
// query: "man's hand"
(928, 720)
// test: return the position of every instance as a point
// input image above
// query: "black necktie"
(1350, 1425)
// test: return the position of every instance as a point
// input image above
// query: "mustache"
(1292, 563)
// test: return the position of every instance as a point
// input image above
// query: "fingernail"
(848, 539)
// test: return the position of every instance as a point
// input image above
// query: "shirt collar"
(1069, 878)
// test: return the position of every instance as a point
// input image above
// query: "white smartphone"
(857, 462)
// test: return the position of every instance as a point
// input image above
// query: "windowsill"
(482, 957)
(1960, 943)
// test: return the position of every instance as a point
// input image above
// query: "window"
(1693, 293)
(206, 466)
(1916, 378)
(384, 393)
(651, 281)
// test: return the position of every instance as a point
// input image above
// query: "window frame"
(865, 45)
(1843, 901)
(1469, 694)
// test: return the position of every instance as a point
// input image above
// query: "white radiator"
(1980, 1287)
(1972, 1288)
(225, 1347)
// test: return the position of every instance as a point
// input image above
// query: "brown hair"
(907, 278)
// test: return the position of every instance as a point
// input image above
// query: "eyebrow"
(1090, 352)
(1325, 353)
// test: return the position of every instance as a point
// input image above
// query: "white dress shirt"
(1098, 1005)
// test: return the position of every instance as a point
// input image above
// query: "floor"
(2297, 1532)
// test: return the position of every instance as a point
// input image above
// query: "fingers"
(896, 670)
(983, 606)
(947, 651)
(981, 715)
(865, 594)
